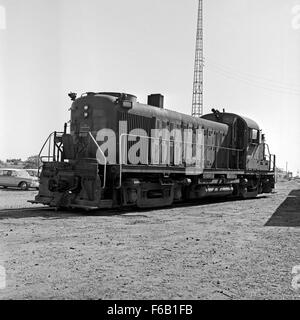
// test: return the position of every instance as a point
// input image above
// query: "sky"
(51, 47)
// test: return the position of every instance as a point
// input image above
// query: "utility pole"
(287, 171)
(197, 108)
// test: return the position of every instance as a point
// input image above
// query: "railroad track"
(47, 212)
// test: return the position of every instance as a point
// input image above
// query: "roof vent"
(156, 100)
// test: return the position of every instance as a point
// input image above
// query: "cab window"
(254, 135)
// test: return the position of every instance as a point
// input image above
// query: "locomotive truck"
(116, 152)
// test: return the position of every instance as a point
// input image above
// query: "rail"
(56, 149)
(105, 160)
(272, 159)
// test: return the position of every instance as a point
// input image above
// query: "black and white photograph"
(149, 151)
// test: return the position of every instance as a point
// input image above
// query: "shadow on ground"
(52, 214)
(46, 213)
(16, 189)
(288, 213)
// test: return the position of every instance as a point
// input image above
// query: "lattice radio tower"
(197, 109)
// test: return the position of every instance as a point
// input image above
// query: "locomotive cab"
(247, 137)
(255, 158)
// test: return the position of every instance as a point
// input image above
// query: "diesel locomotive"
(117, 152)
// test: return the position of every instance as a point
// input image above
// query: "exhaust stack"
(156, 100)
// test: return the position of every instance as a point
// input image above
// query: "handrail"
(272, 162)
(45, 143)
(270, 158)
(39, 156)
(105, 160)
(120, 158)
(49, 156)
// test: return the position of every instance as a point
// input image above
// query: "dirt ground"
(214, 250)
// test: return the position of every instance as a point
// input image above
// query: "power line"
(231, 70)
(257, 81)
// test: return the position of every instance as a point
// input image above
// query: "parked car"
(33, 172)
(19, 178)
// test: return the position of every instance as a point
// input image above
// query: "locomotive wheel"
(24, 186)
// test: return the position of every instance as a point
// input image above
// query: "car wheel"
(23, 186)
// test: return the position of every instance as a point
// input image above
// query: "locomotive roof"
(181, 117)
(177, 117)
(250, 123)
(229, 117)
(161, 113)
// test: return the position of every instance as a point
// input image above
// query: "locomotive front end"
(74, 169)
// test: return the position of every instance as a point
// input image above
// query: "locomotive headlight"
(86, 114)
(86, 108)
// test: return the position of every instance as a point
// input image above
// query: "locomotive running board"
(186, 170)
(189, 171)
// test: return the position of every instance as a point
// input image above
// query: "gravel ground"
(215, 250)
(16, 199)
